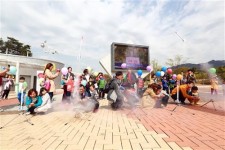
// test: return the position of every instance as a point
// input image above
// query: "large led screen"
(135, 56)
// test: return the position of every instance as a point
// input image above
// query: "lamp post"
(6, 52)
(178, 81)
(28, 52)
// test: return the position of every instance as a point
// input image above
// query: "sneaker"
(177, 101)
(183, 103)
(27, 113)
(195, 103)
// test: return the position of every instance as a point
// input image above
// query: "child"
(140, 86)
(69, 88)
(171, 84)
(165, 85)
(101, 86)
(194, 92)
(7, 87)
(22, 90)
(46, 101)
(32, 101)
(214, 85)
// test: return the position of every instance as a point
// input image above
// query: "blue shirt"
(36, 104)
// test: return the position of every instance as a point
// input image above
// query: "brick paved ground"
(124, 129)
(188, 127)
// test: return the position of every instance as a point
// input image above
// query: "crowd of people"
(85, 90)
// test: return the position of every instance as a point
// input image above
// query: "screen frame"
(129, 45)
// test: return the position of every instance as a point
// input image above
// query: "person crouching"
(94, 97)
(154, 97)
(32, 101)
(46, 101)
(183, 93)
(194, 93)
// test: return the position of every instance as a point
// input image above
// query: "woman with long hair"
(49, 79)
(46, 102)
(154, 97)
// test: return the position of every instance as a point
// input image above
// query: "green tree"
(178, 59)
(180, 69)
(14, 47)
(156, 66)
(1, 45)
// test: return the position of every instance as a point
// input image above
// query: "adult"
(32, 101)
(190, 76)
(86, 74)
(130, 79)
(90, 82)
(183, 92)
(82, 103)
(7, 86)
(154, 97)
(114, 93)
(2, 74)
(49, 77)
(65, 79)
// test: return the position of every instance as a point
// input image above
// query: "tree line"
(14, 47)
(202, 75)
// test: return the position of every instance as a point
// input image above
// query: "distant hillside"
(212, 63)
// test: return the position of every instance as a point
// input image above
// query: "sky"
(82, 31)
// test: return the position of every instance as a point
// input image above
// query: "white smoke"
(218, 98)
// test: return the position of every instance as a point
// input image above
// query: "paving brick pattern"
(190, 127)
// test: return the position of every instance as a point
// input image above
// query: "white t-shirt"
(22, 86)
(7, 85)
(87, 76)
(46, 104)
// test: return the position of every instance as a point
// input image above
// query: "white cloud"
(153, 23)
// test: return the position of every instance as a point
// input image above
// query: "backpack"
(46, 84)
(108, 86)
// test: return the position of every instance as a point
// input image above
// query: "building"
(28, 68)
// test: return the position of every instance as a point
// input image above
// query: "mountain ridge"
(210, 64)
